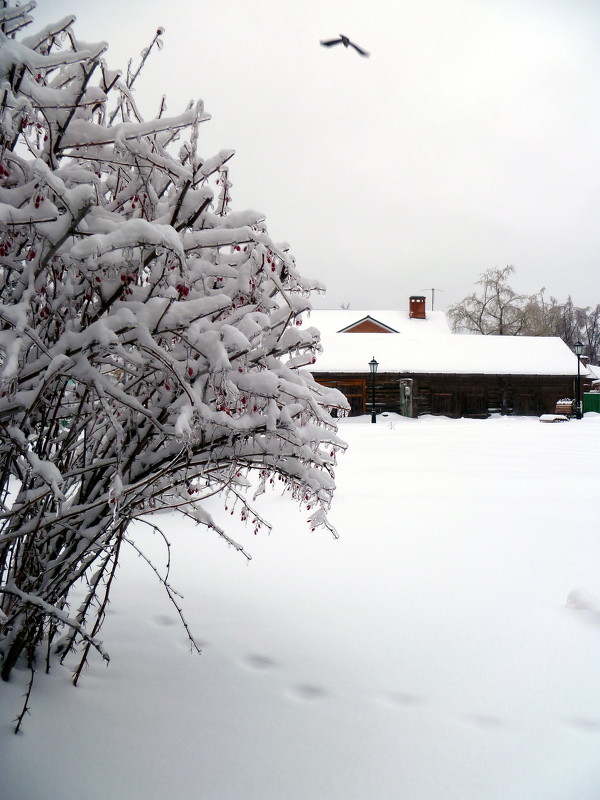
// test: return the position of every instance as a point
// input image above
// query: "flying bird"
(346, 42)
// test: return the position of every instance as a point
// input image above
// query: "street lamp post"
(578, 350)
(373, 367)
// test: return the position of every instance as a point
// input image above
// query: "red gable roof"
(368, 325)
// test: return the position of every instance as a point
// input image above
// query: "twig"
(25, 709)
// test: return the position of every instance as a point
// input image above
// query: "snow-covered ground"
(428, 653)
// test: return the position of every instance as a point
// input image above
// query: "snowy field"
(428, 654)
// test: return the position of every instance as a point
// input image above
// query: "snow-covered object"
(422, 346)
(148, 352)
(594, 374)
(330, 321)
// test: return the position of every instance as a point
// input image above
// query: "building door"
(474, 404)
(526, 404)
(442, 403)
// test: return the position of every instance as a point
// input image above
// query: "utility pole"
(433, 291)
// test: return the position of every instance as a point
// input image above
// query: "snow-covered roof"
(593, 371)
(428, 346)
(332, 321)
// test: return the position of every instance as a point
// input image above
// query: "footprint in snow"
(307, 692)
(586, 724)
(486, 720)
(164, 621)
(402, 699)
(256, 661)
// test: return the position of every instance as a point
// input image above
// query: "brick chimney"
(416, 307)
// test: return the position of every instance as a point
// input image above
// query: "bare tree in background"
(592, 334)
(495, 309)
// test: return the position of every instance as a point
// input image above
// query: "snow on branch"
(55, 613)
(152, 352)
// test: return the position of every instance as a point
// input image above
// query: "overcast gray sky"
(468, 140)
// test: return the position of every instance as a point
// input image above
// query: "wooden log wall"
(455, 395)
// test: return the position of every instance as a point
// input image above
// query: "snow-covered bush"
(151, 347)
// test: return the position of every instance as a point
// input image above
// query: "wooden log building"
(423, 368)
